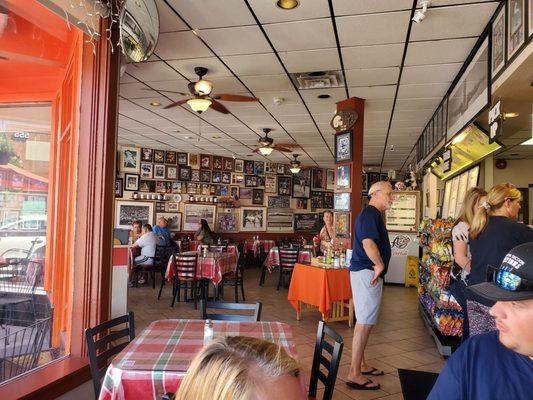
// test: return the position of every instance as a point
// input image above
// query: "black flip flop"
(362, 386)
(373, 372)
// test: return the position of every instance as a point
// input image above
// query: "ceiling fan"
(203, 99)
(267, 146)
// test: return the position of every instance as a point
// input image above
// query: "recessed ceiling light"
(287, 4)
(155, 104)
(323, 96)
(510, 115)
(186, 137)
(216, 136)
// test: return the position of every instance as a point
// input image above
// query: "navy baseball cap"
(513, 281)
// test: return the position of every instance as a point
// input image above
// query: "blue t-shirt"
(482, 368)
(369, 225)
(163, 234)
(491, 246)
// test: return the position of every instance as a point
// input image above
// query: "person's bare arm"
(372, 251)
(199, 237)
(460, 254)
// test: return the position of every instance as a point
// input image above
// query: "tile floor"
(400, 339)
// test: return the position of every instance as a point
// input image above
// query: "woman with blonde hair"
(493, 233)
(242, 368)
(461, 251)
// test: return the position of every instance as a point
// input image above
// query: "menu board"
(463, 186)
(455, 191)
(403, 214)
(446, 202)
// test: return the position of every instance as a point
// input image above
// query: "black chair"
(416, 385)
(331, 364)
(186, 277)
(161, 256)
(163, 263)
(256, 308)
(235, 279)
(185, 245)
(288, 256)
(102, 345)
(20, 350)
(168, 396)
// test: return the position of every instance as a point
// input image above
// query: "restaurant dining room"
(254, 199)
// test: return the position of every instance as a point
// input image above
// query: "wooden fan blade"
(167, 91)
(280, 147)
(234, 97)
(176, 103)
(255, 151)
(215, 105)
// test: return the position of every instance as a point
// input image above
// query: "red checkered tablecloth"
(212, 267)
(252, 246)
(272, 259)
(156, 361)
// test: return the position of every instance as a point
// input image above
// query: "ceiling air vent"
(318, 79)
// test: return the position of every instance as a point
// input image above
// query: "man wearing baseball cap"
(499, 364)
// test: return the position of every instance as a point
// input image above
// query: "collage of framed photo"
(343, 146)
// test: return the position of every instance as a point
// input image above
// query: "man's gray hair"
(378, 186)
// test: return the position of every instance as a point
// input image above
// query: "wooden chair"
(171, 250)
(235, 279)
(185, 273)
(102, 345)
(331, 364)
(288, 256)
(185, 245)
(256, 308)
(263, 267)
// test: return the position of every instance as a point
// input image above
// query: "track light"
(421, 14)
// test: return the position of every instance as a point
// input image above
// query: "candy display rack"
(440, 311)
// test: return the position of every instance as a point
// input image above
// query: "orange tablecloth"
(318, 286)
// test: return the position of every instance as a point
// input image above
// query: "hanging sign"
(495, 122)
(343, 120)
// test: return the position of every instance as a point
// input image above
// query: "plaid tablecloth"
(272, 259)
(212, 267)
(157, 360)
(252, 246)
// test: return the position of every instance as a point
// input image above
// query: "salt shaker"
(208, 332)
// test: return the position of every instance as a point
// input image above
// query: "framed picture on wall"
(498, 42)
(341, 201)
(159, 156)
(328, 200)
(160, 187)
(317, 200)
(195, 175)
(330, 179)
(301, 184)
(343, 146)
(343, 176)
(281, 169)
(217, 163)
(222, 190)
(205, 176)
(234, 191)
(128, 211)
(147, 186)
(172, 172)
(239, 166)
(182, 159)
(130, 159)
(147, 170)
(194, 160)
(318, 179)
(341, 221)
(185, 173)
(258, 196)
(147, 155)
(308, 222)
(228, 164)
(259, 167)
(119, 184)
(270, 183)
(159, 171)
(301, 204)
(237, 178)
(170, 157)
(261, 181)
(216, 177)
(245, 193)
(192, 188)
(173, 220)
(248, 167)
(279, 201)
(284, 185)
(270, 168)
(195, 212)
(131, 182)
(280, 219)
(515, 26)
(176, 187)
(250, 180)
(205, 161)
(226, 177)
(227, 220)
(364, 185)
(252, 219)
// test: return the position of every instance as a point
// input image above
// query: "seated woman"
(242, 368)
(204, 233)
(327, 233)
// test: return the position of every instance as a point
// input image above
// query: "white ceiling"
(252, 57)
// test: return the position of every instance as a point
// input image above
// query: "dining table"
(253, 246)
(156, 361)
(211, 267)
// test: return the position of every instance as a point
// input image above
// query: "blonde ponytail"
(496, 197)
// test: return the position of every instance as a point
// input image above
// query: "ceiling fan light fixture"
(287, 4)
(295, 168)
(203, 87)
(199, 105)
(265, 150)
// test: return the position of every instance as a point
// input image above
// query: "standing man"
(370, 259)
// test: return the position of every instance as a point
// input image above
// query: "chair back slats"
(20, 279)
(331, 365)
(218, 249)
(185, 266)
(185, 245)
(288, 257)
(103, 348)
(257, 307)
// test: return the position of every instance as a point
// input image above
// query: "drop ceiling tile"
(454, 22)
(311, 60)
(254, 64)
(415, 104)
(372, 105)
(168, 20)
(213, 64)
(213, 13)
(375, 92)
(267, 82)
(229, 41)
(267, 12)
(179, 45)
(301, 35)
(227, 84)
(415, 126)
(376, 56)
(423, 90)
(413, 115)
(174, 85)
(351, 7)
(369, 29)
(310, 95)
(438, 73)
(439, 52)
(372, 76)
(136, 91)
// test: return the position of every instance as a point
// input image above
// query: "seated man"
(162, 232)
(498, 364)
(147, 243)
